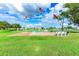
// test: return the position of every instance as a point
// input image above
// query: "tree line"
(7, 26)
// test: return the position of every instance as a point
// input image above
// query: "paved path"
(34, 34)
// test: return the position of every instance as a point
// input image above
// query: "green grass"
(7, 32)
(39, 45)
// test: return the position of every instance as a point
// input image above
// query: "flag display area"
(39, 29)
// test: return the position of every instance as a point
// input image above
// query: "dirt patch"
(34, 34)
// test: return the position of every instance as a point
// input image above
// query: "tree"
(73, 12)
(16, 26)
(63, 15)
(60, 18)
(4, 25)
(1, 24)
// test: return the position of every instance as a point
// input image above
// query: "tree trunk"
(62, 24)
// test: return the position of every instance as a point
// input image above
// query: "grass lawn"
(39, 45)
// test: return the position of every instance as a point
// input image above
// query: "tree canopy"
(73, 12)
(6, 25)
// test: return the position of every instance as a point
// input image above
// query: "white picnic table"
(61, 33)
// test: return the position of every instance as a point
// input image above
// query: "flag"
(41, 10)
(25, 17)
(48, 10)
(53, 4)
(55, 15)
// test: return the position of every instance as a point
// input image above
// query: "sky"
(16, 11)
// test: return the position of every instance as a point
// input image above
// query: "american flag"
(41, 10)
(55, 15)
(25, 17)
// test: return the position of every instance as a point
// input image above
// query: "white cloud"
(18, 5)
(31, 8)
(1, 7)
(65, 24)
(34, 8)
(59, 6)
(25, 8)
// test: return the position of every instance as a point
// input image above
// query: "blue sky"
(15, 12)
